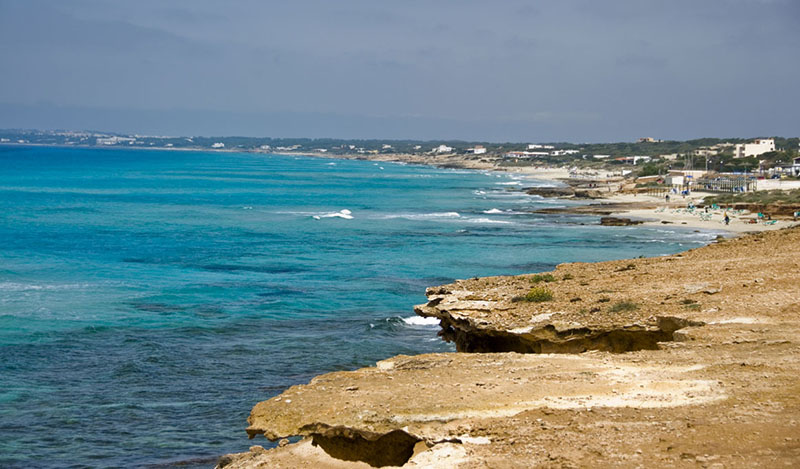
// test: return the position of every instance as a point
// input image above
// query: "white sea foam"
(493, 211)
(420, 321)
(510, 183)
(487, 221)
(346, 214)
(21, 287)
(424, 216)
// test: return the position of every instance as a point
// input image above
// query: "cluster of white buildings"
(115, 140)
(527, 154)
(538, 152)
(290, 148)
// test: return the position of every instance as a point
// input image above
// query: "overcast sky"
(549, 70)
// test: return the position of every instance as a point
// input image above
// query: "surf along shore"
(686, 360)
(612, 195)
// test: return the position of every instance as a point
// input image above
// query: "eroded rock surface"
(721, 390)
(616, 306)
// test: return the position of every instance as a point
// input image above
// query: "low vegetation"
(760, 197)
(539, 278)
(536, 295)
(623, 306)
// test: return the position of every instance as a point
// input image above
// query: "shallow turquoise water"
(148, 299)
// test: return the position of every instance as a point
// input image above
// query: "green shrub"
(623, 306)
(538, 278)
(760, 197)
(539, 295)
(567, 277)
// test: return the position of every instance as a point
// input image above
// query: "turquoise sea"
(148, 299)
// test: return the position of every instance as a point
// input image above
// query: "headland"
(681, 361)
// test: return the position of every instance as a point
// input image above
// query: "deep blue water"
(148, 299)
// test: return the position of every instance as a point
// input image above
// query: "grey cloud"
(550, 70)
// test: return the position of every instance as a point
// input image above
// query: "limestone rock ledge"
(709, 377)
(616, 306)
(380, 414)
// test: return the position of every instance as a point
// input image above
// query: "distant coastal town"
(772, 157)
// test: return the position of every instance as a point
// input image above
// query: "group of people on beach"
(725, 217)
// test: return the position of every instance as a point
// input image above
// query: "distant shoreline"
(639, 208)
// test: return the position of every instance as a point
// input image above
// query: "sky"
(501, 70)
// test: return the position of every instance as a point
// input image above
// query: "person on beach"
(727, 218)
(667, 197)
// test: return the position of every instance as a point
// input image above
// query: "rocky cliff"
(675, 361)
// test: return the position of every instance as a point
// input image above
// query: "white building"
(601, 157)
(796, 167)
(477, 150)
(706, 152)
(443, 149)
(536, 146)
(563, 152)
(218, 145)
(758, 147)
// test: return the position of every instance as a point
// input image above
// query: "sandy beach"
(653, 211)
(676, 213)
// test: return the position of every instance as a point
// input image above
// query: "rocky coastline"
(688, 360)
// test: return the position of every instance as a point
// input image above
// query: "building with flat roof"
(755, 148)
(443, 149)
